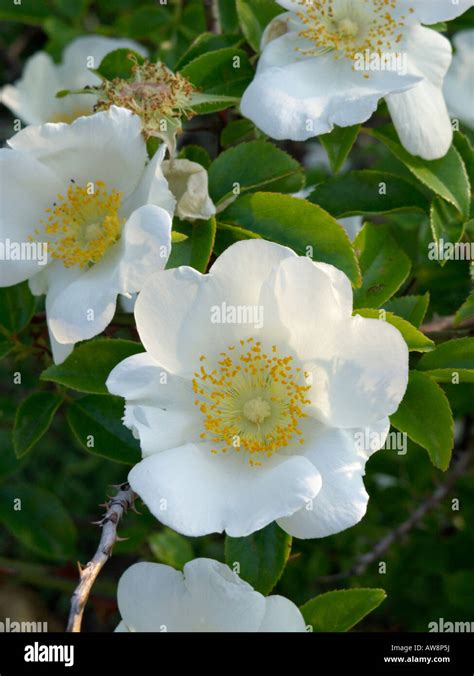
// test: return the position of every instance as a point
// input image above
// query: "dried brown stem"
(116, 508)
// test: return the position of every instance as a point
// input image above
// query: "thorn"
(292, 557)
(133, 508)
(120, 539)
(121, 487)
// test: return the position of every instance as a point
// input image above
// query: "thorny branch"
(361, 565)
(116, 508)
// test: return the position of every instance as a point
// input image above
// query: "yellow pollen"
(252, 399)
(81, 226)
(348, 28)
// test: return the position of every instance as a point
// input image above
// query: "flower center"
(252, 399)
(349, 28)
(83, 225)
(256, 410)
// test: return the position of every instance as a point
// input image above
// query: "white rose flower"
(329, 62)
(260, 396)
(206, 597)
(87, 195)
(188, 181)
(459, 82)
(33, 97)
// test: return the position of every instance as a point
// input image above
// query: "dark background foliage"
(429, 571)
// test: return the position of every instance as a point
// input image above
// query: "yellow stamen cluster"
(350, 27)
(82, 225)
(251, 400)
(153, 92)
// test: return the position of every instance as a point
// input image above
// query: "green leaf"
(195, 154)
(144, 22)
(228, 15)
(452, 357)
(236, 132)
(9, 463)
(440, 26)
(465, 149)
(295, 223)
(202, 104)
(180, 253)
(384, 265)
(446, 177)
(224, 71)
(463, 21)
(171, 548)
(119, 64)
(415, 339)
(152, 145)
(33, 418)
(425, 416)
(202, 243)
(6, 347)
(227, 235)
(191, 19)
(342, 609)
(90, 364)
(96, 422)
(207, 42)
(261, 557)
(338, 144)
(254, 16)
(411, 308)
(71, 10)
(195, 245)
(253, 166)
(38, 519)
(459, 590)
(29, 12)
(466, 311)
(359, 192)
(17, 307)
(447, 226)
